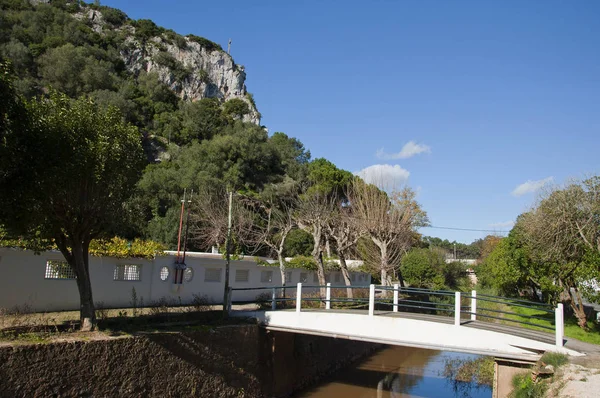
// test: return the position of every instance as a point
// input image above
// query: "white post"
(457, 308)
(371, 300)
(473, 305)
(396, 297)
(273, 299)
(559, 325)
(328, 297)
(298, 297)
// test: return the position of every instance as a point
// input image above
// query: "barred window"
(353, 277)
(59, 270)
(212, 275)
(303, 277)
(127, 272)
(288, 277)
(164, 273)
(188, 274)
(242, 275)
(266, 276)
(337, 277)
(315, 278)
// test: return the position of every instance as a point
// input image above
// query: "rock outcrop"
(190, 69)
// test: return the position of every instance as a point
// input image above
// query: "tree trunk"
(282, 270)
(345, 274)
(78, 258)
(576, 303)
(384, 269)
(400, 278)
(318, 257)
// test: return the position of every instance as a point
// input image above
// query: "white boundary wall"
(23, 280)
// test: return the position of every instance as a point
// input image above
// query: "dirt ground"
(576, 382)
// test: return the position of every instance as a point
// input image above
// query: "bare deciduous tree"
(209, 218)
(314, 212)
(278, 221)
(345, 231)
(390, 222)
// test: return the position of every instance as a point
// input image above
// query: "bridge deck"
(532, 334)
(413, 329)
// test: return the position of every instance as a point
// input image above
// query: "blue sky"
(495, 94)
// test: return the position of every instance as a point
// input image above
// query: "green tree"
(423, 268)
(236, 108)
(72, 168)
(201, 120)
(298, 243)
(294, 157)
(563, 234)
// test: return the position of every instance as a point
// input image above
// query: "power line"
(469, 229)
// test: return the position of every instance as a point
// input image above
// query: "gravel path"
(577, 382)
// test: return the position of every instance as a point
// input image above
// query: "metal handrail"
(407, 297)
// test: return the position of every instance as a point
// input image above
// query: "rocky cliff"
(193, 67)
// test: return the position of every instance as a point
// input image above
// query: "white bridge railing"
(378, 296)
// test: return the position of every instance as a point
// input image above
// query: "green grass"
(554, 358)
(524, 387)
(571, 328)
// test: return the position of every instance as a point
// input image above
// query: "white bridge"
(380, 320)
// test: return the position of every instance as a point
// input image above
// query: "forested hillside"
(200, 131)
(184, 93)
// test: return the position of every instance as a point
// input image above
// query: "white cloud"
(384, 175)
(531, 186)
(505, 224)
(409, 149)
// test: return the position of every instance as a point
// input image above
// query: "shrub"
(101, 311)
(524, 387)
(146, 29)
(200, 303)
(303, 262)
(554, 358)
(113, 16)
(207, 44)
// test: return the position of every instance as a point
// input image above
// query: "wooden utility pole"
(227, 259)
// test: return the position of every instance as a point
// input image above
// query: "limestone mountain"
(81, 48)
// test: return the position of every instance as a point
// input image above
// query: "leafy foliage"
(304, 262)
(122, 248)
(236, 108)
(205, 43)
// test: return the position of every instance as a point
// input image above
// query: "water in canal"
(397, 372)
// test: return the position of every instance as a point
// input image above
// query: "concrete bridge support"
(504, 371)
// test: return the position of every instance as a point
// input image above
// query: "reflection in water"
(398, 372)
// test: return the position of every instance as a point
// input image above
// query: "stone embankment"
(232, 361)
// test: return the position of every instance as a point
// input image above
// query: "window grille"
(315, 278)
(242, 275)
(303, 277)
(266, 276)
(337, 277)
(164, 273)
(353, 277)
(188, 274)
(212, 275)
(288, 277)
(59, 270)
(127, 272)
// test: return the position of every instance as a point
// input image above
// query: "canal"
(398, 372)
